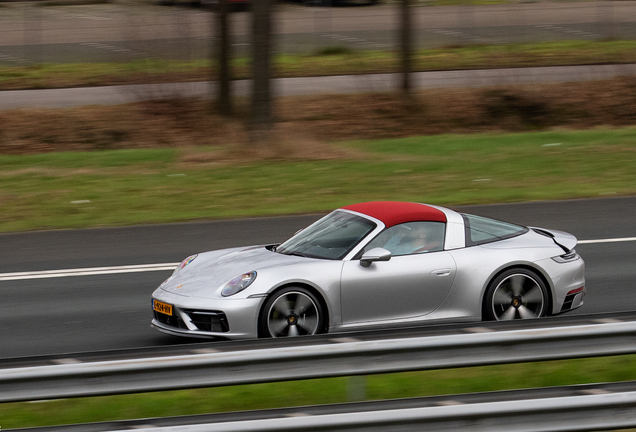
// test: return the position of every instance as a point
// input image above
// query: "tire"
(292, 311)
(515, 294)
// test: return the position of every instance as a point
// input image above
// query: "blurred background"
(70, 31)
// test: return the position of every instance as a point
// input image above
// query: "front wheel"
(292, 311)
(515, 294)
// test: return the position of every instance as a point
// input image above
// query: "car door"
(404, 287)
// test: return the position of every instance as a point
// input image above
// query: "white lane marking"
(165, 267)
(614, 240)
(87, 271)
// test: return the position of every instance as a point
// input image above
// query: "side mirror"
(375, 254)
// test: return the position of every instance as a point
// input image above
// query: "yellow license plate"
(162, 307)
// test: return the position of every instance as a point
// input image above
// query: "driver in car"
(410, 240)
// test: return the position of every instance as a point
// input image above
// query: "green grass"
(125, 187)
(322, 391)
(332, 60)
(60, 75)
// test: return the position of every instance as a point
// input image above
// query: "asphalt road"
(112, 311)
(113, 95)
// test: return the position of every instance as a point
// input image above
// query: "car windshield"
(332, 237)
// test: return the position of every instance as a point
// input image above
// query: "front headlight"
(184, 263)
(238, 284)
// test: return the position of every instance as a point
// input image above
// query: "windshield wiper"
(295, 254)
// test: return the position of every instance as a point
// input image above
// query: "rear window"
(480, 230)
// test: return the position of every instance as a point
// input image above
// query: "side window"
(409, 238)
(480, 230)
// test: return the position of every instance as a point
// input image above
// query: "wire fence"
(36, 32)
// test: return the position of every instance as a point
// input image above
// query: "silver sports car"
(374, 264)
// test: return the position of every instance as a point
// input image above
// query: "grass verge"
(321, 391)
(325, 61)
(124, 187)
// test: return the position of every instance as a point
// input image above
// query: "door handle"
(441, 272)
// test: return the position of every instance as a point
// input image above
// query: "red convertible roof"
(395, 212)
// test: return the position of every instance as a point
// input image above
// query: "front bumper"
(173, 331)
(207, 318)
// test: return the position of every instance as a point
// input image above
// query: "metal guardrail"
(570, 413)
(585, 407)
(315, 361)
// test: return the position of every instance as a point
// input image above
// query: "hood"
(209, 271)
(565, 240)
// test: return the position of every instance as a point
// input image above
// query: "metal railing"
(582, 409)
(346, 358)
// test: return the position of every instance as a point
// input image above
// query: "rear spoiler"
(565, 240)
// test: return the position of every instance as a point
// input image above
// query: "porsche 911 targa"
(374, 264)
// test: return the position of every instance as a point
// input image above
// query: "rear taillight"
(575, 291)
(568, 257)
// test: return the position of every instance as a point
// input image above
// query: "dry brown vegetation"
(317, 120)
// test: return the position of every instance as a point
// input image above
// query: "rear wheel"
(515, 294)
(292, 311)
